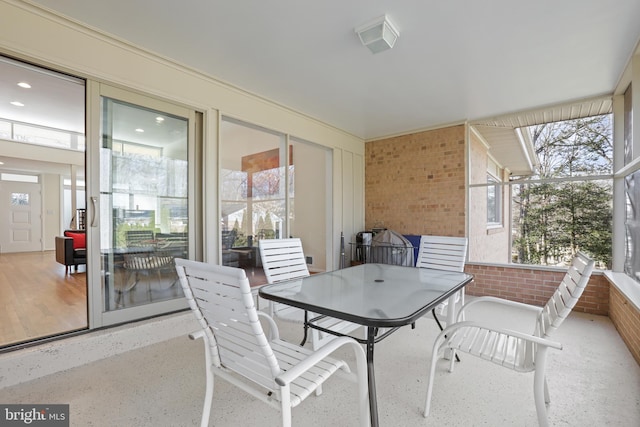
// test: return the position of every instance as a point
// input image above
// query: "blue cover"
(415, 242)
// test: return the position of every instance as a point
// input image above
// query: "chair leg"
(432, 373)
(547, 398)
(285, 402)
(539, 387)
(208, 395)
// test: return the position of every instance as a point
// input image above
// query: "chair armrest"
(197, 334)
(274, 334)
(287, 377)
(498, 301)
(510, 332)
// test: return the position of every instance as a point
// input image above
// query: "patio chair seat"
(518, 351)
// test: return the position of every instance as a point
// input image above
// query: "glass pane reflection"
(144, 203)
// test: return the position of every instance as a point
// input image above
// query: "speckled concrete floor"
(593, 381)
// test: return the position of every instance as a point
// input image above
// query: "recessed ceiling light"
(24, 85)
(140, 130)
(17, 103)
(1, 163)
(159, 119)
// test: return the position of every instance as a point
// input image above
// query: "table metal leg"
(306, 328)
(373, 405)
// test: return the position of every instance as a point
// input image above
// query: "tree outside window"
(567, 206)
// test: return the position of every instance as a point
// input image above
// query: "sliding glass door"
(142, 213)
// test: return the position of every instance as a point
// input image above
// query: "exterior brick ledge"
(626, 285)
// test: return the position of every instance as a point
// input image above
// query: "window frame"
(494, 207)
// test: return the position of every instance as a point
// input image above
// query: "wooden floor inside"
(38, 299)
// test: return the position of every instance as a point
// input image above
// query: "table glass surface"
(380, 295)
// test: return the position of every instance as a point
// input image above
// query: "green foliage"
(565, 212)
(268, 222)
(246, 225)
(265, 228)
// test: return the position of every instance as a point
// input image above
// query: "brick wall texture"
(534, 286)
(626, 318)
(415, 184)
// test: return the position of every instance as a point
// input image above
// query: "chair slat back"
(442, 253)
(147, 260)
(139, 238)
(283, 259)
(221, 298)
(566, 296)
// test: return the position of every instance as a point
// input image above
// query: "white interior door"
(22, 206)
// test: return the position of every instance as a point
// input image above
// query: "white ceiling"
(455, 60)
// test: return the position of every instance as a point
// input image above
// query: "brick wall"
(534, 286)
(415, 184)
(626, 318)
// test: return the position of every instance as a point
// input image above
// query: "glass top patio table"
(377, 295)
(372, 295)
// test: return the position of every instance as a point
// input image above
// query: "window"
(567, 205)
(632, 225)
(494, 202)
(19, 199)
(628, 136)
(561, 203)
(632, 196)
(15, 177)
(272, 185)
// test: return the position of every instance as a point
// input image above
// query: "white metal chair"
(443, 253)
(283, 259)
(236, 349)
(521, 352)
